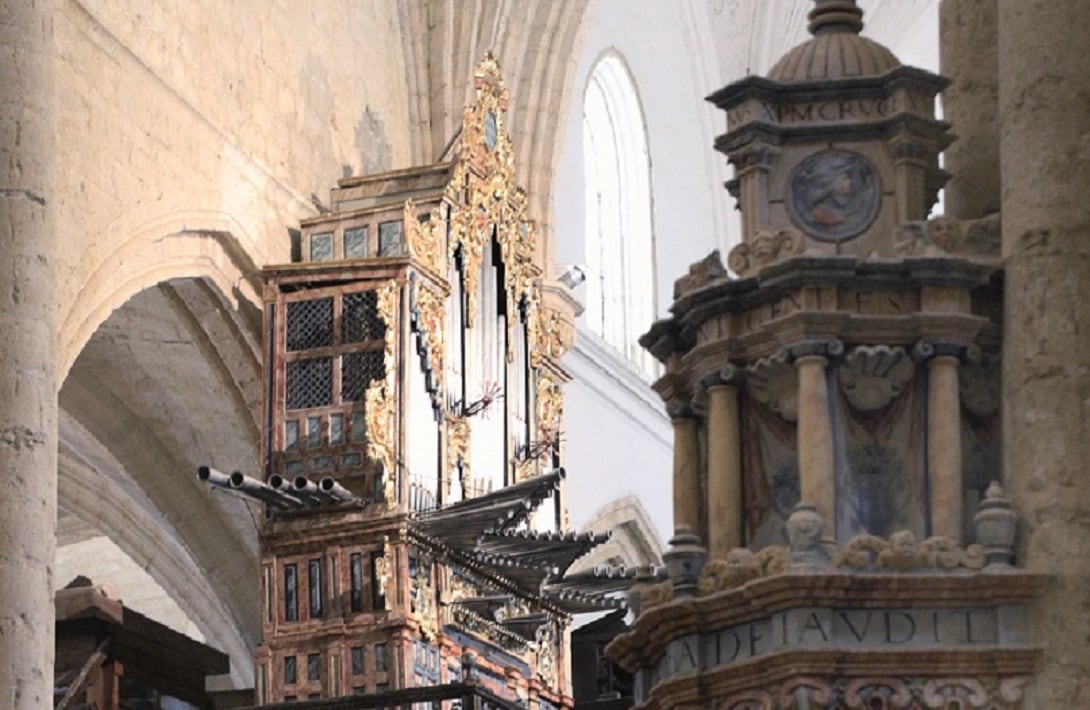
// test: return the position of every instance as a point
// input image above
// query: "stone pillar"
(817, 473)
(28, 390)
(724, 463)
(687, 489)
(944, 475)
(1044, 114)
(968, 56)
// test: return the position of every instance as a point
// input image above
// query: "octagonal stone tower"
(842, 538)
(833, 149)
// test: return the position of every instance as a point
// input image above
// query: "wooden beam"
(79, 685)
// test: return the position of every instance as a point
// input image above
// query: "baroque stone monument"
(843, 540)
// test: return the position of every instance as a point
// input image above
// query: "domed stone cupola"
(837, 50)
(834, 149)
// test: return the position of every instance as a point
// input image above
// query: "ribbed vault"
(169, 381)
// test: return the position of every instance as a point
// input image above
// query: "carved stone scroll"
(767, 247)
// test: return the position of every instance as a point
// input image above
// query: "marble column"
(1044, 115)
(724, 462)
(968, 56)
(28, 390)
(944, 439)
(817, 472)
(687, 489)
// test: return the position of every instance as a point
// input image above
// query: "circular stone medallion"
(835, 195)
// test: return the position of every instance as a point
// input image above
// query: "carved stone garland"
(384, 568)
(422, 596)
(430, 311)
(425, 238)
(380, 397)
(545, 641)
(886, 692)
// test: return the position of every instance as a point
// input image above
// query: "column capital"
(726, 376)
(680, 410)
(829, 349)
(927, 350)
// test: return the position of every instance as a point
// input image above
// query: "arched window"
(619, 245)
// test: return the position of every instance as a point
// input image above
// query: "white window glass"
(619, 243)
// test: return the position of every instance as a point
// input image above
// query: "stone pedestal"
(1044, 98)
(28, 390)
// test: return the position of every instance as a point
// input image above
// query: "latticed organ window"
(360, 321)
(314, 667)
(310, 324)
(310, 383)
(335, 349)
(358, 371)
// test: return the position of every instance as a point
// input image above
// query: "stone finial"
(701, 273)
(684, 561)
(996, 525)
(645, 577)
(835, 16)
(805, 530)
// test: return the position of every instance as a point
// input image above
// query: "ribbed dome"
(836, 51)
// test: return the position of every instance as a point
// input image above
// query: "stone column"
(687, 489)
(817, 472)
(1044, 114)
(944, 475)
(28, 390)
(968, 56)
(724, 462)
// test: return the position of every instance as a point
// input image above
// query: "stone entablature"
(913, 633)
(813, 298)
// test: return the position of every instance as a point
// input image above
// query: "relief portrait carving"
(834, 195)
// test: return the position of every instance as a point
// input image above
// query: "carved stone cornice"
(658, 626)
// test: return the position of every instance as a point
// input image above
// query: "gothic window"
(619, 243)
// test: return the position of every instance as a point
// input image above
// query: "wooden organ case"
(415, 528)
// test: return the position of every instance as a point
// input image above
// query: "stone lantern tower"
(836, 415)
